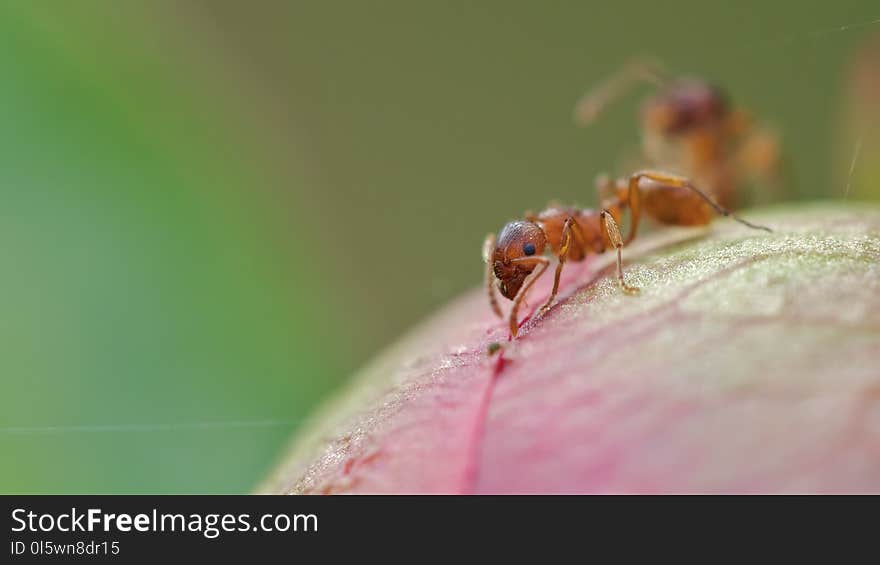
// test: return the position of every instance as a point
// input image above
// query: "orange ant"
(690, 126)
(515, 258)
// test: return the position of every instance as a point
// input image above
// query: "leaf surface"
(748, 363)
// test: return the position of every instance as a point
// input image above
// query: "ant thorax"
(588, 235)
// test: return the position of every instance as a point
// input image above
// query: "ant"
(515, 257)
(689, 125)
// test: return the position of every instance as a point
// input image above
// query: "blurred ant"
(515, 258)
(690, 126)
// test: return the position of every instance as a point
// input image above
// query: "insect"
(688, 125)
(515, 257)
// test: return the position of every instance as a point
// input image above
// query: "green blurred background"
(212, 212)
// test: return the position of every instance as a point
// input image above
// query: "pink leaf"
(748, 363)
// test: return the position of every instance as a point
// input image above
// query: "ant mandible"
(515, 258)
(690, 126)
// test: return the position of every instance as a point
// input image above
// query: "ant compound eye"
(529, 248)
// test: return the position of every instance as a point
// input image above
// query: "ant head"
(684, 105)
(517, 240)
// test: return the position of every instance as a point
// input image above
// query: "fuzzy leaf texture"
(748, 363)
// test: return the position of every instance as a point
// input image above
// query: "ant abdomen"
(676, 206)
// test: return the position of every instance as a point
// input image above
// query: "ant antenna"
(637, 70)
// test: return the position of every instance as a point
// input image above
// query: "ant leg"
(738, 122)
(758, 153)
(609, 226)
(593, 102)
(541, 264)
(606, 188)
(567, 235)
(488, 251)
(760, 157)
(676, 181)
